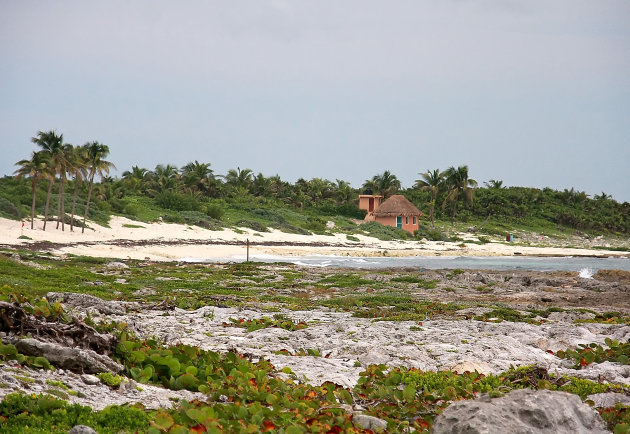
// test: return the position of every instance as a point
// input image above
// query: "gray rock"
(522, 411)
(569, 316)
(90, 380)
(145, 291)
(81, 429)
(74, 359)
(116, 266)
(471, 366)
(86, 301)
(369, 422)
(610, 399)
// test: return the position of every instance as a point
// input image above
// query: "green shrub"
(200, 219)
(215, 211)
(430, 234)
(382, 232)
(177, 201)
(174, 218)
(269, 215)
(48, 414)
(315, 224)
(110, 379)
(9, 209)
(252, 224)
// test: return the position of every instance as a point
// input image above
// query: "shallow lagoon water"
(534, 263)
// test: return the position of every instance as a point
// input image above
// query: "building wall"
(364, 201)
(411, 228)
(391, 221)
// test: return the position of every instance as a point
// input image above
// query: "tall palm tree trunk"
(63, 203)
(34, 188)
(59, 196)
(74, 202)
(87, 205)
(50, 186)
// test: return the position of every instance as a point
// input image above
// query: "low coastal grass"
(243, 395)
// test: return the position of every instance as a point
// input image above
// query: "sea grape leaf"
(409, 393)
(8, 350)
(163, 421)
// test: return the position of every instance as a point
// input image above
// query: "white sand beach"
(126, 238)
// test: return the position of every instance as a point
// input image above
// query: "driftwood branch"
(14, 320)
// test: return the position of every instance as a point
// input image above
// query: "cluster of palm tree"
(55, 162)
(454, 185)
(200, 181)
(66, 165)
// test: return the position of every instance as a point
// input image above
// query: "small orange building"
(369, 202)
(396, 211)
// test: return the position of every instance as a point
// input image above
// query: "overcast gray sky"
(534, 93)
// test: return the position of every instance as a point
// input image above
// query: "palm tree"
(458, 185)
(277, 186)
(63, 162)
(165, 178)
(385, 184)
(197, 176)
(261, 185)
(343, 191)
(432, 181)
(35, 169)
(494, 184)
(318, 190)
(96, 152)
(52, 145)
(239, 180)
(602, 197)
(135, 179)
(78, 166)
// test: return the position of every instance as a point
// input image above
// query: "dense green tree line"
(81, 177)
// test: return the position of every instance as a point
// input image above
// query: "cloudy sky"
(534, 93)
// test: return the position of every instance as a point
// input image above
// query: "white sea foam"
(586, 273)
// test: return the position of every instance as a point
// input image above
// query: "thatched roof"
(395, 206)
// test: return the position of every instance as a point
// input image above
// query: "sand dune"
(126, 238)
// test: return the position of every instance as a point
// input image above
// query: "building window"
(406, 220)
(414, 220)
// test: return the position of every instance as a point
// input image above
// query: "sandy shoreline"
(171, 242)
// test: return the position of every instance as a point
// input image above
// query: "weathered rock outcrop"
(86, 302)
(73, 359)
(522, 411)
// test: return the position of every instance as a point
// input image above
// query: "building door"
(371, 205)
(399, 221)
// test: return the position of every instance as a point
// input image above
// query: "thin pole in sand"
(247, 249)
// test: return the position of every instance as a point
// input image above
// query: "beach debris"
(14, 320)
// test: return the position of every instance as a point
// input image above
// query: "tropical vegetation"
(195, 194)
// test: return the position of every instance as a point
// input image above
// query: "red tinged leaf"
(419, 322)
(198, 429)
(335, 430)
(327, 355)
(550, 352)
(252, 382)
(268, 425)
(422, 423)
(583, 362)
